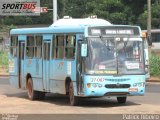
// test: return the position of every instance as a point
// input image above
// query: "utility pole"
(149, 18)
(149, 37)
(54, 11)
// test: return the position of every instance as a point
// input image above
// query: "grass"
(4, 59)
(154, 63)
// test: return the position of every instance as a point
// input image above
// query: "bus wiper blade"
(125, 43)
(107, 46)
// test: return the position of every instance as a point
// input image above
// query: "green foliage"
(3, 59)
(154, 65)
(6, 28)
(8, 20)
(111, 10)
(143, 19)
(12, 27)
(75, 8)
(156, 15)
(1, 39)
(133, 12)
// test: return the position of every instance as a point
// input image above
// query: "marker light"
(88, 85)
(144, 34)
(93, 16)
(67, 17)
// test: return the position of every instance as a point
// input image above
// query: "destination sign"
(96, 31)
(129, 32)
(113, 30)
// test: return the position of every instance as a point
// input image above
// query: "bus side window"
(13, 46)
(70, 46)
(38, 47)
(60, 47)
(30, 47)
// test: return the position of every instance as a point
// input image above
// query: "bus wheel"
(32, 94)
(121, 99)
(73, 99)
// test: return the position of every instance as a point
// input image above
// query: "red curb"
(4, 75)
(152, 80)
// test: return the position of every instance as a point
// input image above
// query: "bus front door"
(46, 58)
(79, 69)
(21, 64)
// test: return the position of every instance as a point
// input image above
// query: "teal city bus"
(79, 58)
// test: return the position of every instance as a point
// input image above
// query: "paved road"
(15, 101)
(152, 95)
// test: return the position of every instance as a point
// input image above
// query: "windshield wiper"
(108, 47)
(125, 43)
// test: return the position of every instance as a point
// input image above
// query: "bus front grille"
(117, 86)
(116, 94)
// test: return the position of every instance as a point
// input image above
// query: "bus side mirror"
(149, 40)
(83, 50)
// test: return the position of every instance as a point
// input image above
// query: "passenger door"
(46, 59)
(79, 69)
(21, 63)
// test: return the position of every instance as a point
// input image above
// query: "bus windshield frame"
(114, 55)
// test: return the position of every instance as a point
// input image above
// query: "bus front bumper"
(128, 85)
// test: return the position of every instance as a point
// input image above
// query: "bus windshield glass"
(114, 56)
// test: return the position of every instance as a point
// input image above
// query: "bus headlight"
(88, 85)
(94, 85)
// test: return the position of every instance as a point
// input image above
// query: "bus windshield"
(114, 56)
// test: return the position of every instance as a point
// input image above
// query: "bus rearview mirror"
(83, 50)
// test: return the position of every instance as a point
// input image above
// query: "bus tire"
(32, 94)
(73, 99)
(121, 100)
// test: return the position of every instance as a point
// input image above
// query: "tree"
(111, 10)
(156, 15)
(142, 20)
(75, 8)
(132, 12)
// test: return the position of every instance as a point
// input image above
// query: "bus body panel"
(13, 79)
(59, 71)
(21, 64)
(13, 70)
(21, 60)
(16, 78)
(34, 68)
(50, 74)
(62, 69)
(49, 30)
(47, 38)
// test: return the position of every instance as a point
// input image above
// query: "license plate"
(133, 90)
